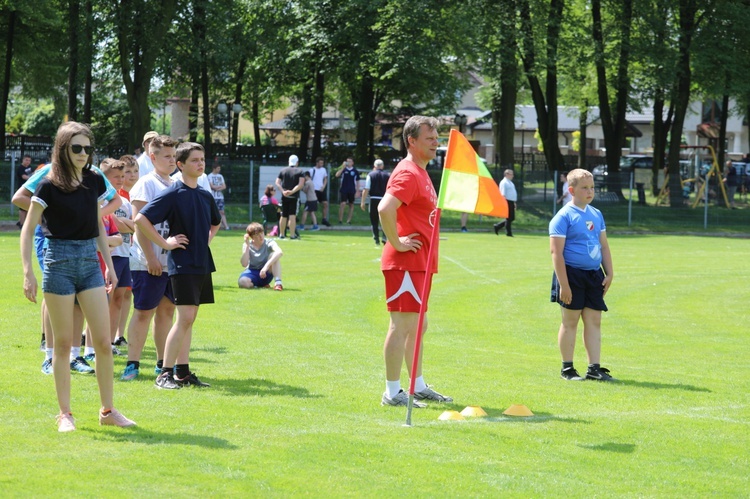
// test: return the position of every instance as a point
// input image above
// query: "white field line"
(472, 272)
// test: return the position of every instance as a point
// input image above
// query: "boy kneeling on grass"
(583, 274)
(194, 220)
(259, 256)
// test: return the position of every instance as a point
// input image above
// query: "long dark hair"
(63, 172)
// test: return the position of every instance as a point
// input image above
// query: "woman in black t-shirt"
(66, 203)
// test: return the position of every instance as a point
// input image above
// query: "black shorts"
(586, 286)
(321, 195)
(288, 206)
(346, 197)
(192, 289)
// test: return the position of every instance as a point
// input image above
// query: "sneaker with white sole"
(191, 380)
(599, 374)
(430, 394)
(80, 366)
(65, 423)
(401, 399)
(570, 374)
(121, 341)
(115, 418)
(47, 366)
(166, 381)
(131, 372)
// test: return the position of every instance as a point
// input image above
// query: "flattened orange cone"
(451, 416)
(518, 410)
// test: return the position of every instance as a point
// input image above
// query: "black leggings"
(375, 218)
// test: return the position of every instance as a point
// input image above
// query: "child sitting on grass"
(259, 256)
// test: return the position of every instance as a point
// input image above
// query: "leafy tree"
(540, 34)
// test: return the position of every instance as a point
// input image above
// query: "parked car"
(627, 163)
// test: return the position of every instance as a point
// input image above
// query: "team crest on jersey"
(589, 225)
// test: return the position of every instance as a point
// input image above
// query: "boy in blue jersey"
(583, 274)
(194, 220)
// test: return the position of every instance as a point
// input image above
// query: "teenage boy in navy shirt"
(583, 274)
(194, 220)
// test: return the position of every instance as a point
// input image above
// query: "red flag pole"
(427, 285)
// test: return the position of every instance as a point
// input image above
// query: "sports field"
(297, 376)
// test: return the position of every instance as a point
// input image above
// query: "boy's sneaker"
(301, 227)
(47, 366)
(116, 351)
(115, 418)
(80, 366)
(90, 357)
(166, 381)
(131, 372)
(65, 423)
(294, 237)
(191, 380)
(401, 398)
(600, 374)
(157, 370)
(278, 287)
(120, 341)
(570, 374)
(326, 222)
(430, 394)
(315, 227)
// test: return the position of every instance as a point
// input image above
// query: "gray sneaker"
(430, 394)
(401, 398)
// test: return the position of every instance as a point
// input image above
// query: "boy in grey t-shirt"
(260, 257)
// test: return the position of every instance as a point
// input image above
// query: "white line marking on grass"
(472, 272)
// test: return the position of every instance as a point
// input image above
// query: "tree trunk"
(305, 111)
(193, 112)
(239, 82)
(661, 132)
(256, 120)
(613, 125)
(545, 102)
(722, 144)
(319, 100)
(73, 23)
(207, 142)
(7, 75)
(364, 119)
(583, 119)
(88, 48)
(687, 25)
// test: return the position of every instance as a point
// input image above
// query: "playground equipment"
(701, 193)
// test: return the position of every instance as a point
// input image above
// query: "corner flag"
(467, 185)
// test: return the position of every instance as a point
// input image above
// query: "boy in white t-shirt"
(216, 181)
(152, 290)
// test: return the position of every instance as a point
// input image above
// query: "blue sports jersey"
(581, 230)
(33, 181)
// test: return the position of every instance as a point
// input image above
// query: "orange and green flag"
(467, 185)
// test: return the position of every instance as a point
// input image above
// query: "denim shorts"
(71, 267)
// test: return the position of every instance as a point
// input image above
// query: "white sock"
(48, 353)
(74, 352)
(419, 384)
(89, 350)
(392, 388)
(278, 280)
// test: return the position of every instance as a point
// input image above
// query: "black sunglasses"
(77, 148)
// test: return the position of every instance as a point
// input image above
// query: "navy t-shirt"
(349, 179)
(190, 212)
(71, 215)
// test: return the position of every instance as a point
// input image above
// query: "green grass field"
(294, 406)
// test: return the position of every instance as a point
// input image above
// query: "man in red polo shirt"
(407, 213)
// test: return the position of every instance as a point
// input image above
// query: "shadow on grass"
(143, 436)
(212, 350)
(497, 416)
(662, 386)
(261, 388)
(611, 447)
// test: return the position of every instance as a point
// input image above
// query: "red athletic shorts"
(403, 290)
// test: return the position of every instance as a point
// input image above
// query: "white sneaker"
(401, 398)
(65, 423)
(430, 394)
